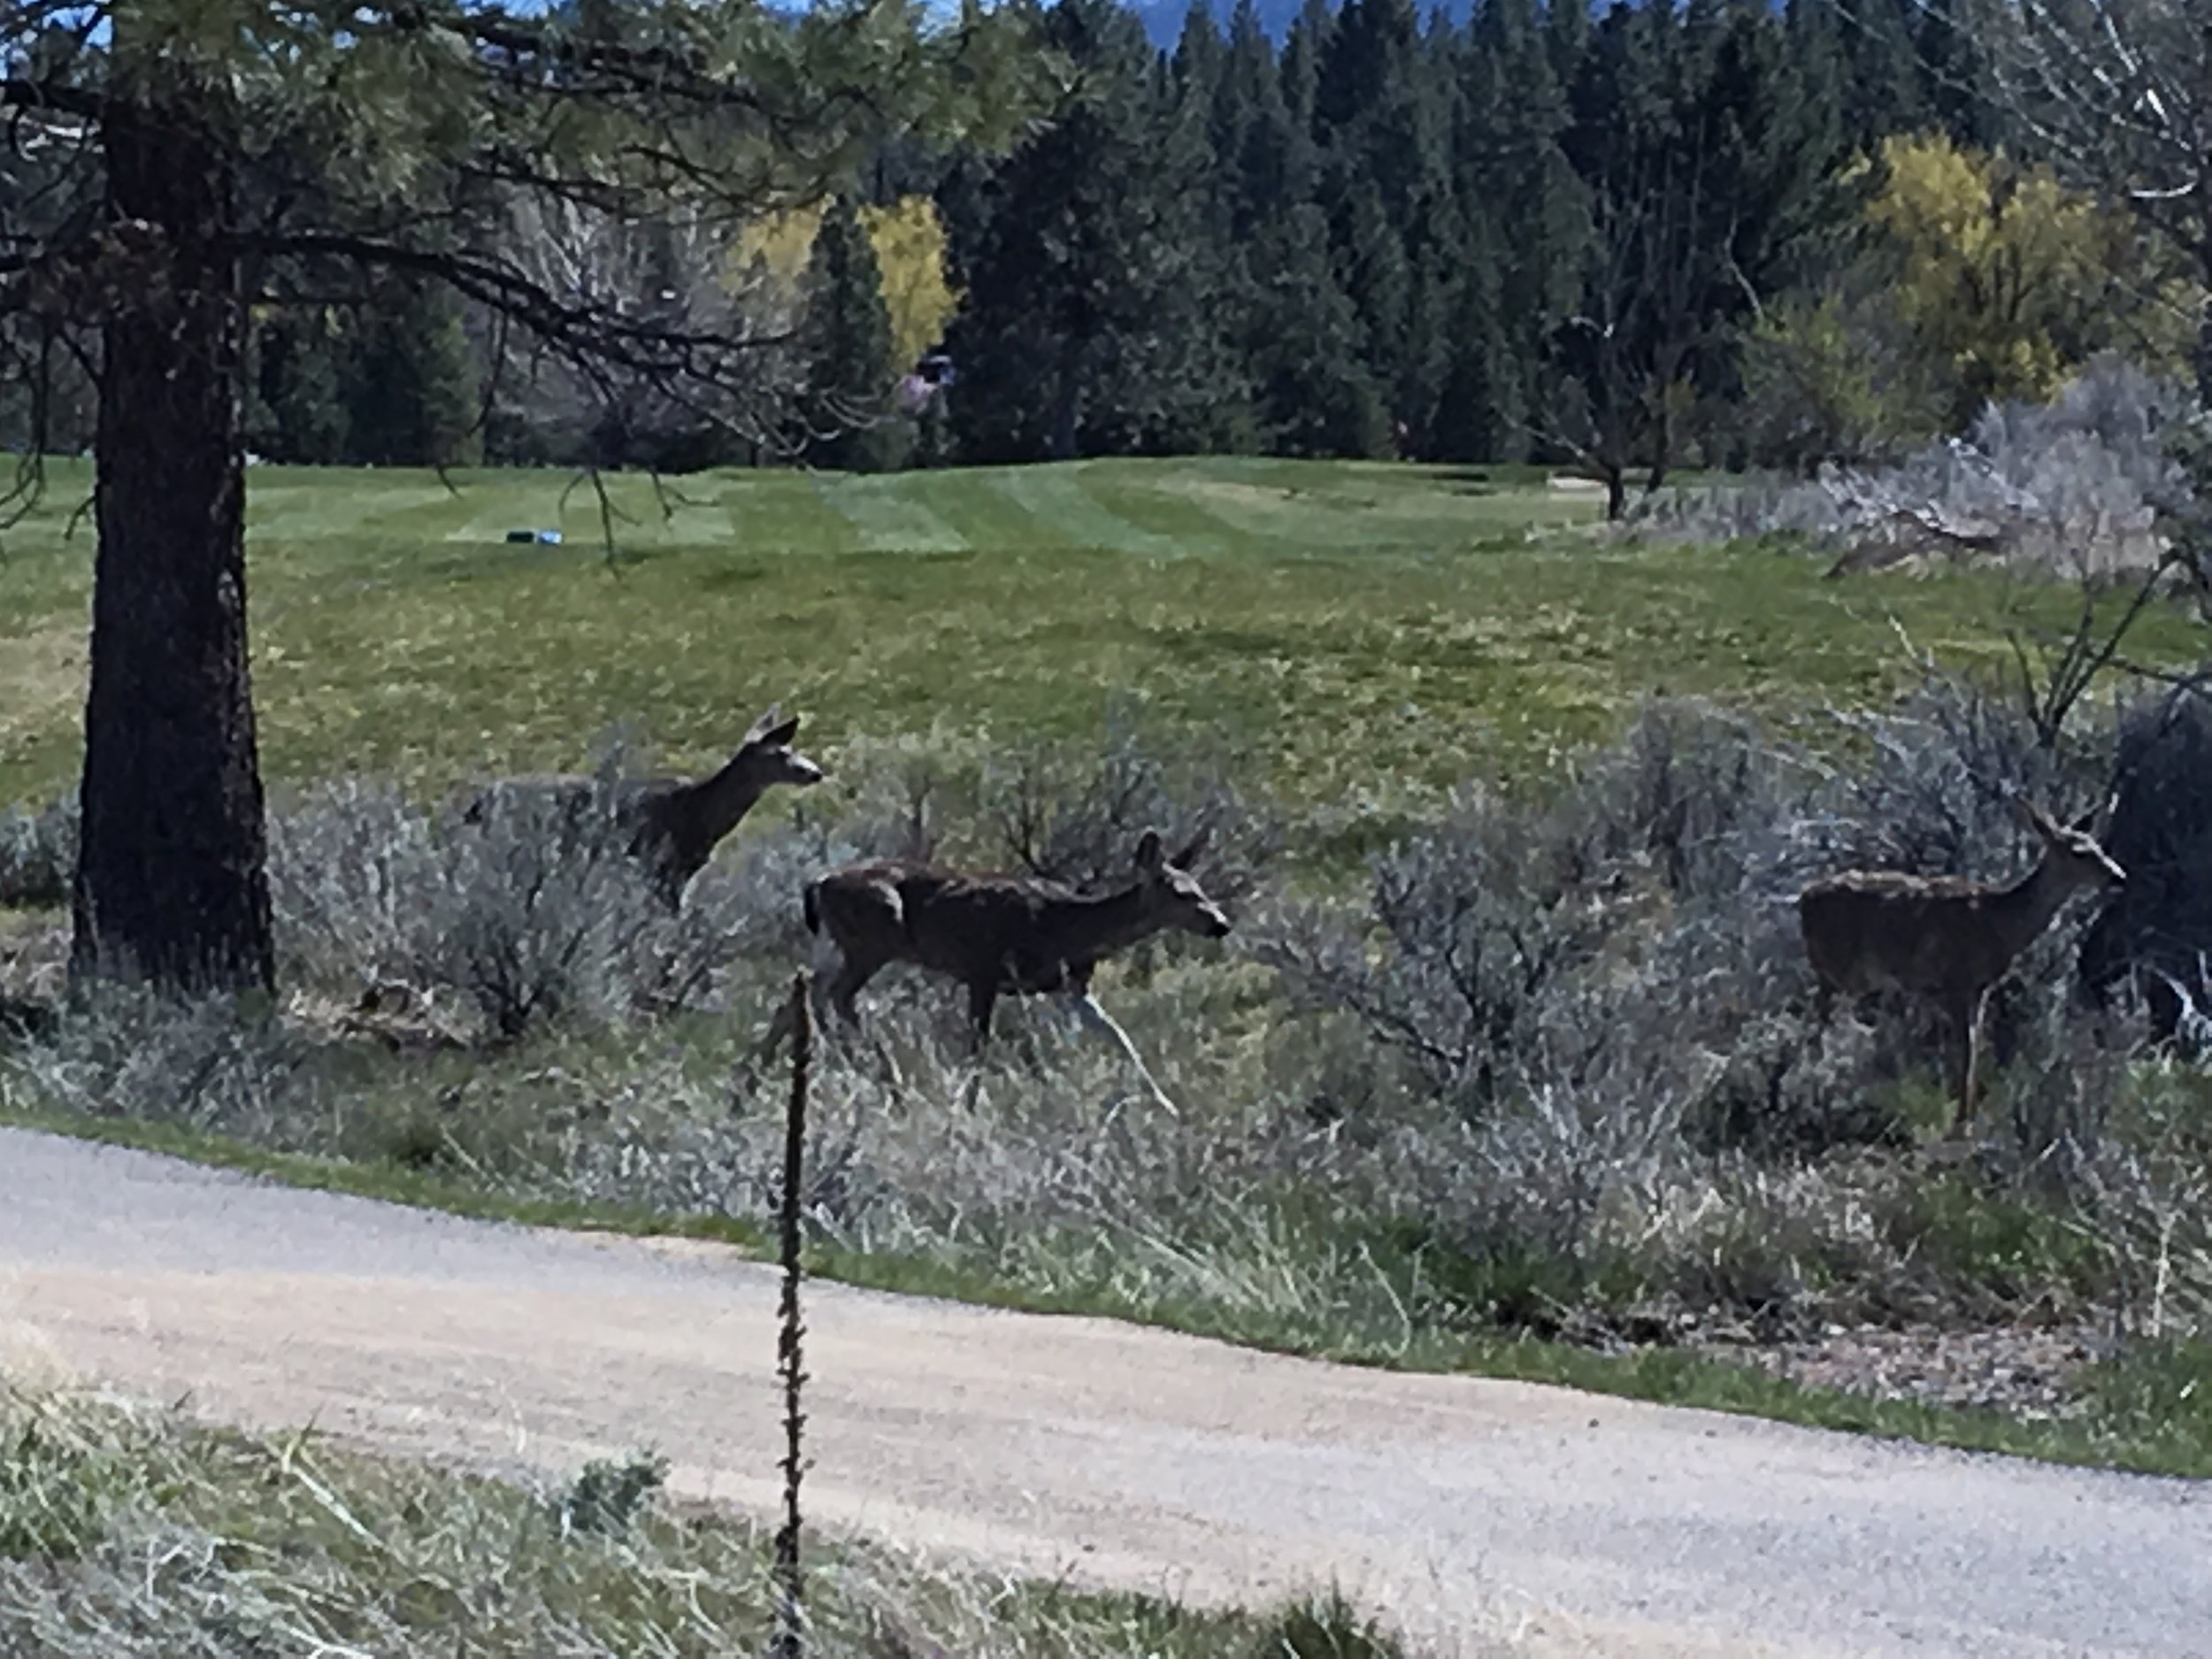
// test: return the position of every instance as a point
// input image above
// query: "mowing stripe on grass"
(367, 509)
(1138, 499)
(1266, 512)
(889, 521)
(1065, 514)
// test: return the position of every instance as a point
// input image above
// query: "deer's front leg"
(1088, 1011)
(982, 997)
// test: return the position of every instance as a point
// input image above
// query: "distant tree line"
(1712, 233)
(1720, 231)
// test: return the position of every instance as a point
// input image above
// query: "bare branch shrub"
(1478, 925)
(2073, 488)
(126, 1052)
(1928, 786)
(349, 865)
(1072, 813)
(1474, 930)
(542, 913)
(538, 913)
(1627, 954)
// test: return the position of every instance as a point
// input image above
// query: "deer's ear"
(1195, 850)
(761, 728)
(777, 736)
(2028, 814)
(1149, 855)
(2089, 821)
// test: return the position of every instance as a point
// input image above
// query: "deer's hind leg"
(852, 976)
(836, 993)
(1968, 1016)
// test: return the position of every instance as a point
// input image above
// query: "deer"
(1000, 935)
(674, 824)
(1947, 939)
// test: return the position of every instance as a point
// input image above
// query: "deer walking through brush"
(1946, 938)
(1000, 935)
(675, 824)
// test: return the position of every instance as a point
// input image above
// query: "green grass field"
(1356, 632)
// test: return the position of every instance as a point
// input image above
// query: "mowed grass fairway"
(1359, 634)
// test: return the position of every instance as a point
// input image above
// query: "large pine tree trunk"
(171, 886)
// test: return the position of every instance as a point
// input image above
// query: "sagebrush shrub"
(38, 852)
(539, 912)
(1615, 975)
(1075, 813)
(124, 1052)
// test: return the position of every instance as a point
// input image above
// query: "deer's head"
(2080, 862)
(766, 758)
(1171, 893)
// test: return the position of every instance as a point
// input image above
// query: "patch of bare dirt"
(2027, 1372)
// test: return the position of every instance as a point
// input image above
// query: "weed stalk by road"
(791, 1583)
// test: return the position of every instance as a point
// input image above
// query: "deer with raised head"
(1000, 935)
(675, 824)
(1946, 938)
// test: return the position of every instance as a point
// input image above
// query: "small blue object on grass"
(548, 538)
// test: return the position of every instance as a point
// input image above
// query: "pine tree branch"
(20, 93)
(713, 376)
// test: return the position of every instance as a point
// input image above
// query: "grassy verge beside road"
(127, 1533)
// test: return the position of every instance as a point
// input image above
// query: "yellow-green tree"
(2004, 279)
(909, 242)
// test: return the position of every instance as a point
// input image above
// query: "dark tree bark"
(171, 886)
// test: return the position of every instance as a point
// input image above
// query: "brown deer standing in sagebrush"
(675, 824)
(1946, 938)
(1000, 935)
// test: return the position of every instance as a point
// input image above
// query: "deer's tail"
(811, 906)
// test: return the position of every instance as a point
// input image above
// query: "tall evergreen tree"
(1527, 213)
(1381, 120)
(1302, 50)
(298, 411)
(1091, 325)
(1889, 91)
(409, 385)
(1706, 164)
(1265, 150)
(1313, 392)
(847, 329)
(1956, 71)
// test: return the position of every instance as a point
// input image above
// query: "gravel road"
(1481, 1517)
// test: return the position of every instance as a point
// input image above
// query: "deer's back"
(627, 798)
(1869, 931)
(964, 926)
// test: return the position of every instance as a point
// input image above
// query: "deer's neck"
(2028, 906)
(1087, 928)
(709, 809)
